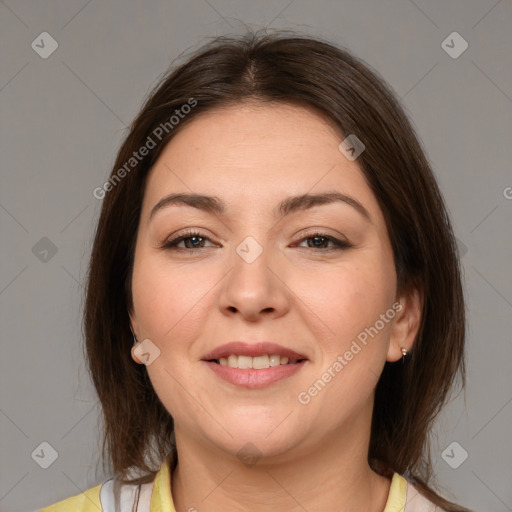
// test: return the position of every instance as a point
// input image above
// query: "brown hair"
(306, 71)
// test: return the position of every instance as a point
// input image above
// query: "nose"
(254, 286)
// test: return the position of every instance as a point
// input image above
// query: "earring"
(404, 353)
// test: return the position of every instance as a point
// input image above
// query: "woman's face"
(252, 272)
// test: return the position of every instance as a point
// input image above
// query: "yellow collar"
(161, 499)
(397, 494)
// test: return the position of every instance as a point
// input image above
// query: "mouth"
(254, 365)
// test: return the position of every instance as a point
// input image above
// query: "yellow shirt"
(402, 497)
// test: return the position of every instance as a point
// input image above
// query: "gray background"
(62, 121)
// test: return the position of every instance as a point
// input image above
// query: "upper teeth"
(259, 362)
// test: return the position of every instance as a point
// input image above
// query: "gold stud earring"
(404, 351)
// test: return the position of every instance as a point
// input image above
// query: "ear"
(406, 323)
(135, 329)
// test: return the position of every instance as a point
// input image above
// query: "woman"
(274, 312)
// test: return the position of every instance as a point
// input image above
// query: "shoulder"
(109, 496)
(113, 495)
(86, 501)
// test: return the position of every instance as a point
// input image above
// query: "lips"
(241, 348)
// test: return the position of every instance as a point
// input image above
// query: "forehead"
(237, 133)
(254, 155)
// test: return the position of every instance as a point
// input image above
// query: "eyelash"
(339, 244)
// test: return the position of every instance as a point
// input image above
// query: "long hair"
(305, 71)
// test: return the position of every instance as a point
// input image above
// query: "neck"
(332, 474)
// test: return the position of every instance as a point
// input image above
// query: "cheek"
(169, 300)
(345, 300)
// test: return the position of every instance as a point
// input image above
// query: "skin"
(313, 300)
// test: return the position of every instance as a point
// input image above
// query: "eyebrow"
(292, 204)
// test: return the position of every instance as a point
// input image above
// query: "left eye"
(319, 239)
(194, 241)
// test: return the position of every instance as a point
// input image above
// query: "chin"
(254, 441)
